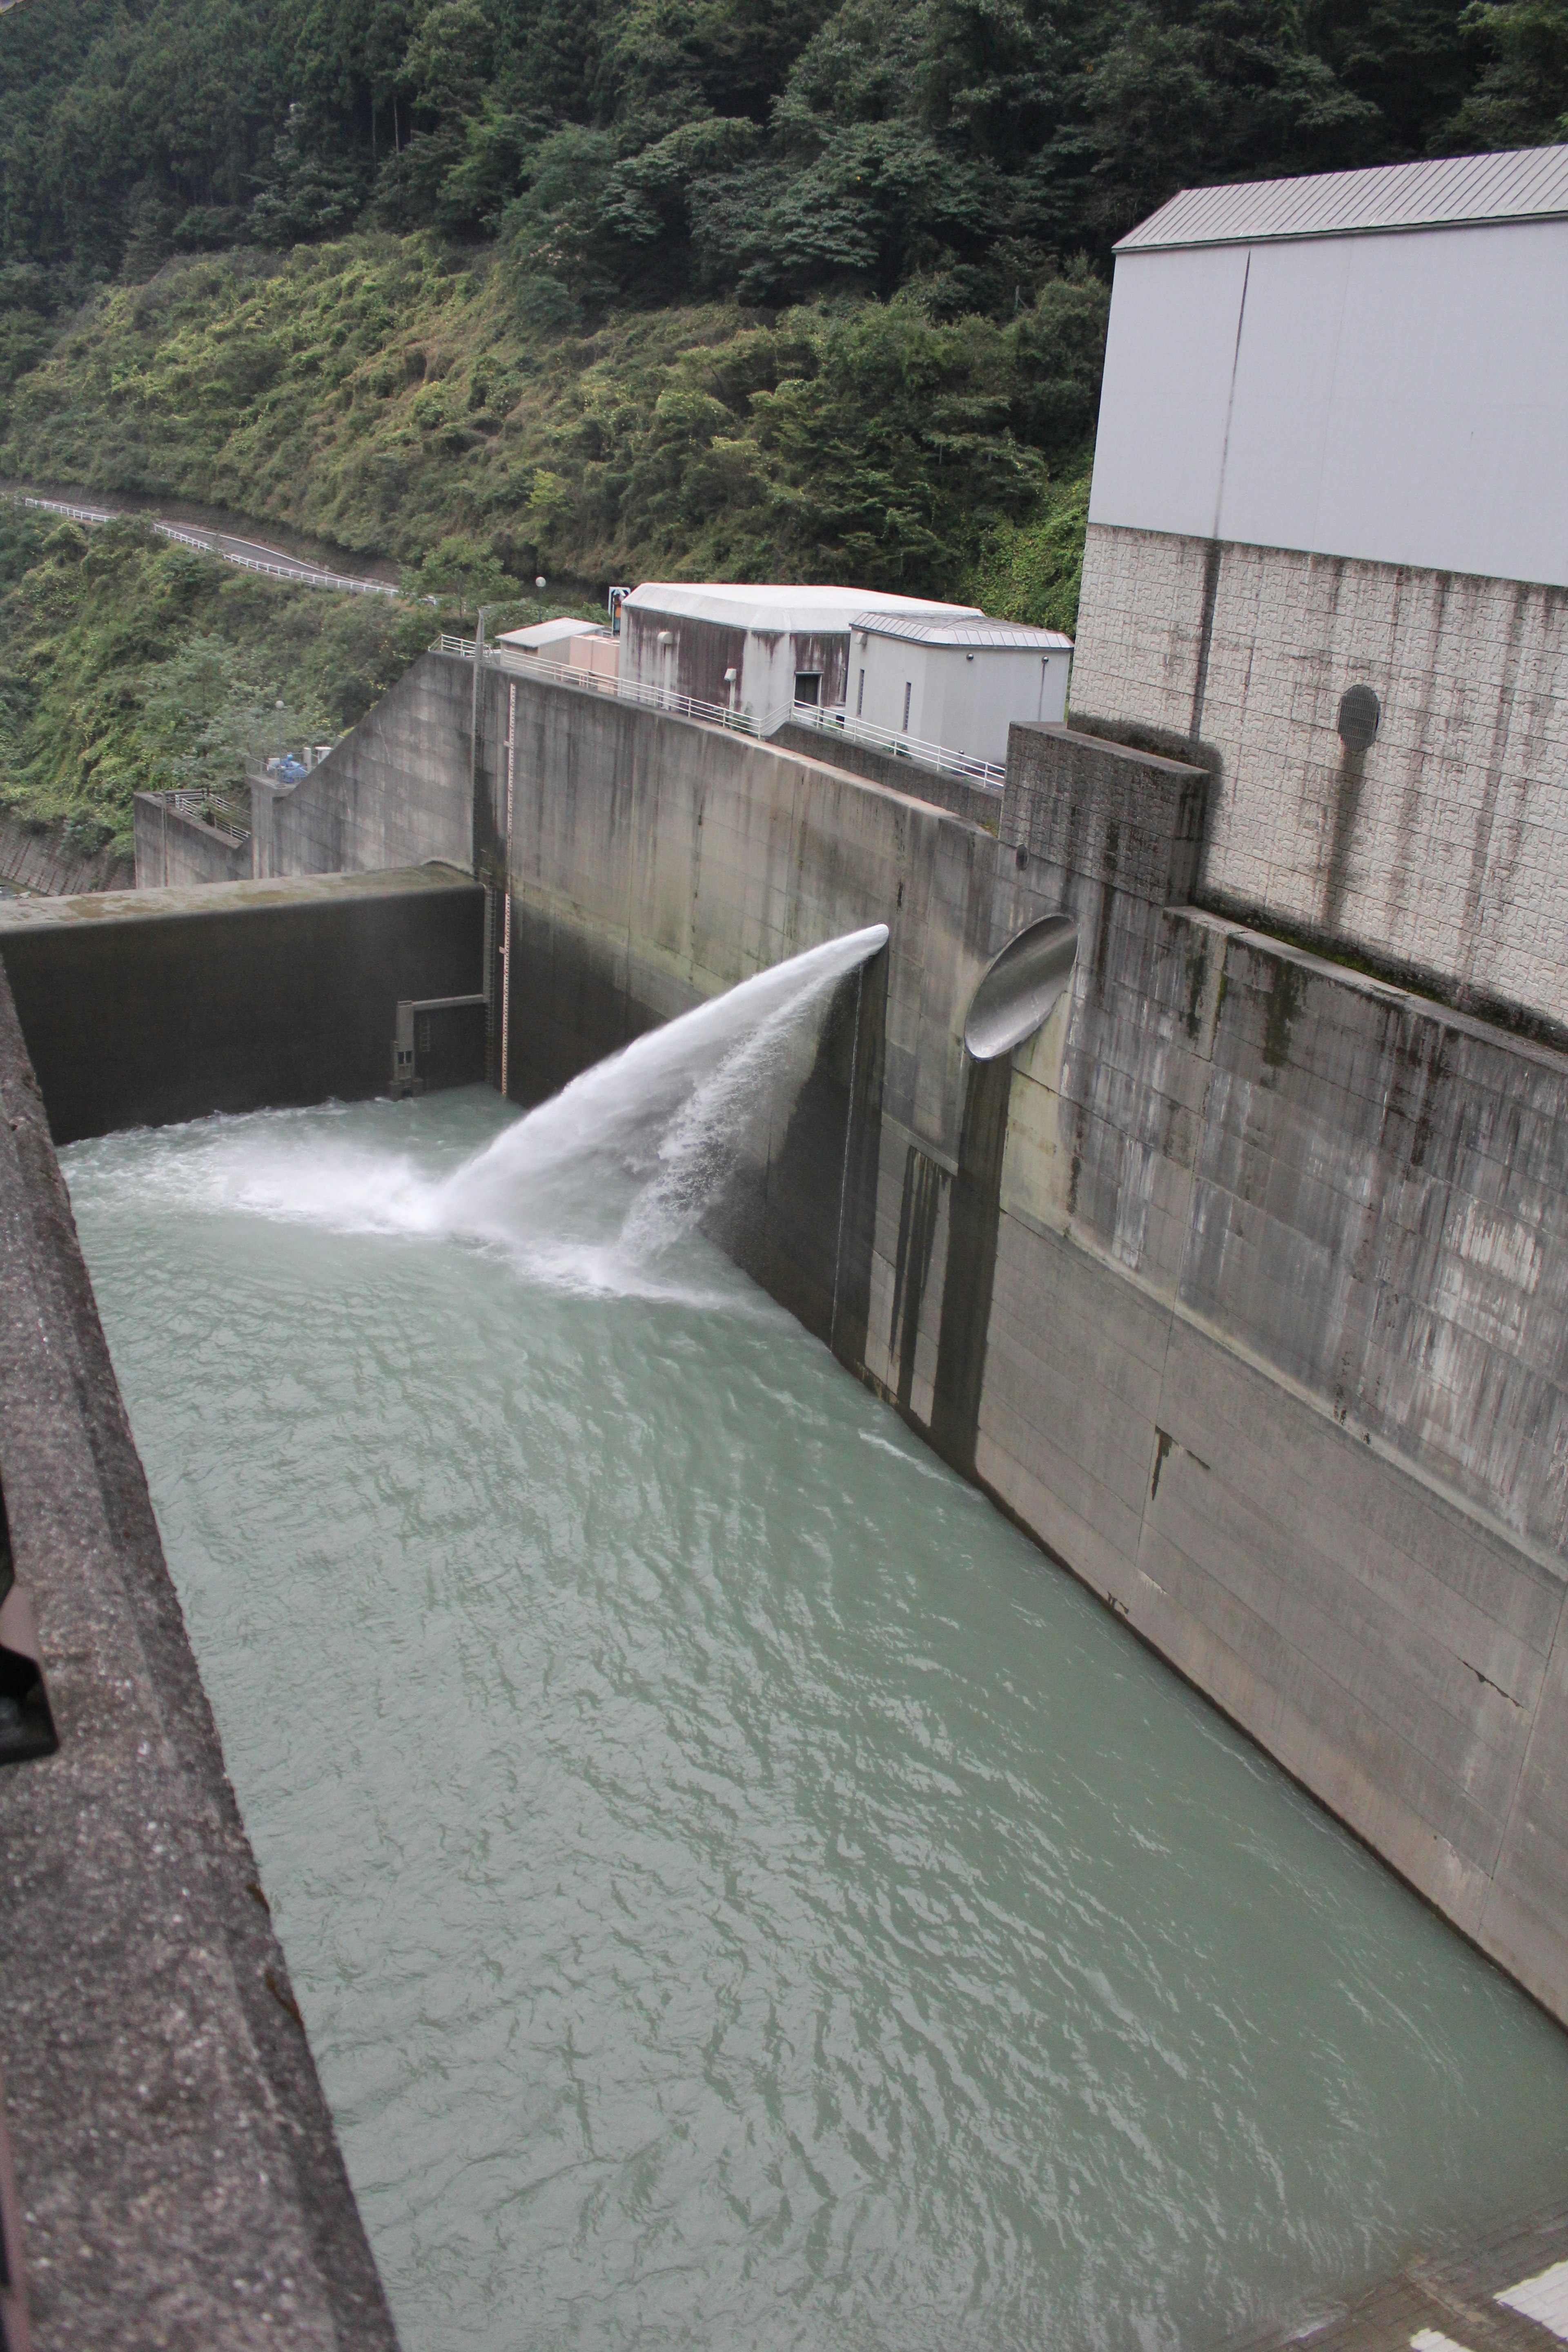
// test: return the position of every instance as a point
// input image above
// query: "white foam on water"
(597, 1190)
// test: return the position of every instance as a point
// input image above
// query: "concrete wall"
(1393, 398)
(36, 858)
(976, 804)
(395, 792)
(144, 1006)
(1438, 850)
(1243, 1286)
(174, 849)
(177, 2166)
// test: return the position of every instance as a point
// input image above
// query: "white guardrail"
(888, 740)
(986, 773)
(275, 567)
(615, 689)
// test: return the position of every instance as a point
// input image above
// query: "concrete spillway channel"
(1154, 1273)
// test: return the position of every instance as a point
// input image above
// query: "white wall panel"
(1167, 386)
(1397, 398)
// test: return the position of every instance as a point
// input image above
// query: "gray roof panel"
(1450, 192)
(1011, 637)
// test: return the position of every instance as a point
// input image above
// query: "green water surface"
(740, 1892)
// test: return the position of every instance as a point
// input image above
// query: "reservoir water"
(740, 1892)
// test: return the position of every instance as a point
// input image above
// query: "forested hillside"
(661, 286)
(619, 285)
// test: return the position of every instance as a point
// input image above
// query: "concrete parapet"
(175, 2159)
(1075, 804)
(976, 804)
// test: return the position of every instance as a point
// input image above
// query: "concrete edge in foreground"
(179, 2174)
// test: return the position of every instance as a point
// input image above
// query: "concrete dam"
(1231, 1284)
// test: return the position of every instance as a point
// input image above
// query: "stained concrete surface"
(180, 2179)
(144, 1006)
(1454, 2297)
(175, 846)
(1279, 1301)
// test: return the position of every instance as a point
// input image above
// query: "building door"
(808, 686)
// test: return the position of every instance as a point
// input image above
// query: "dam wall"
(1245, 1290)
(141, 1007)
(1242, 1285)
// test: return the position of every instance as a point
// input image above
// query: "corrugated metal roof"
(764, 605)
(550, 633)
(1011, 635)
(1450, 192)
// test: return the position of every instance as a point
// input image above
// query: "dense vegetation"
(659, 286)
(129, 664)
(385, 393)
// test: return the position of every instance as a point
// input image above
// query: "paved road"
(251, 555)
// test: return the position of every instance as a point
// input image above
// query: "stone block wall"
(1438, 850)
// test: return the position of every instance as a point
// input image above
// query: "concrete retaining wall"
(395, 792)
(174, 849)
(37, 859)
(143, 1006)
(1243, 1289)
(177, 2166)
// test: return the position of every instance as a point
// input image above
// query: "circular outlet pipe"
(1022, 987)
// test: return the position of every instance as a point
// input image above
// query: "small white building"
(956, 682)
(753, 649)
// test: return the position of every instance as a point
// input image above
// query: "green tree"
(1520, 98)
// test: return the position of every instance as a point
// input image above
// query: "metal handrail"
(615, 689)
(201, 803)
(828, 718)
(985, 774)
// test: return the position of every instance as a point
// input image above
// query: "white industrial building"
(956, 682)
(1329, 543)
(753, 649)
(906, 674)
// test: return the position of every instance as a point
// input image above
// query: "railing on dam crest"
(889, 741)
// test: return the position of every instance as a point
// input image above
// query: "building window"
(860, 696)
(808, 686)
(909, 689)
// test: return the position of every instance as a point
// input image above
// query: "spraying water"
(601, 1188)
